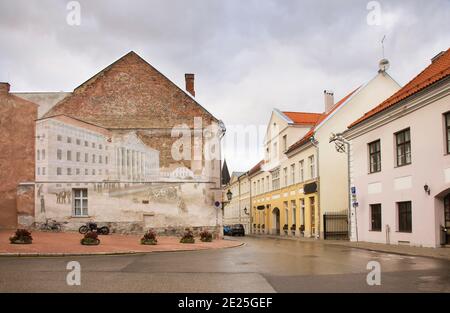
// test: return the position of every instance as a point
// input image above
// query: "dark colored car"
(237, 230)
(227, 230)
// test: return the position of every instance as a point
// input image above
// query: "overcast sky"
(249, 56)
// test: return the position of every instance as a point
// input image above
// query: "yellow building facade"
(284, 186)
(287, 211)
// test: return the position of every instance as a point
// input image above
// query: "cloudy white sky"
(249, 56)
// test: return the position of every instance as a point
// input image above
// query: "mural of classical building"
(127, 148)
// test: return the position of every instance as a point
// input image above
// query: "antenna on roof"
(383, 66)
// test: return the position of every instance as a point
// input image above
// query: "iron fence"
(335, 226)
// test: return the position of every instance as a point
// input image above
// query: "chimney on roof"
(4, 88)
(437, 56)
(190, 83)
(329, 100)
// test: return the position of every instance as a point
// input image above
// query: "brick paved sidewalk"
(440, 253)
(47, 243)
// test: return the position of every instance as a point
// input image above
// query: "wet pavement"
(261, 265)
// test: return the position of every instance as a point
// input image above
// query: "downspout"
(340, 138)
(251, 203)
(239, 199)
(315, 143)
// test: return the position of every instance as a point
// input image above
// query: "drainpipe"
(315, 143)
(340, 138)
(239, 199)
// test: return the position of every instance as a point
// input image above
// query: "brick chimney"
(329, 100)
(4, 88)
(190, 83)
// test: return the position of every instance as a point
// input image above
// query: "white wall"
(430, 165)
(333, 166)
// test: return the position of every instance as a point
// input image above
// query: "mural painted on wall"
(114, 177)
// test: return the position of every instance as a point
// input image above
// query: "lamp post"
(343, 146)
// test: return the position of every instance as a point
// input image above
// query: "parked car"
(227, 230)
(237, 230)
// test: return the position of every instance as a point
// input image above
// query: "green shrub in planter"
(188, 237)
(206, 236)
(149, 238)
(90, 239)
(21, 236)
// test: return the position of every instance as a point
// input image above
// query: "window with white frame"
(80, 202)
(301, 171)
(276, 180)
(312, 167)
(285, 176)
(293, 173)
(294, 212)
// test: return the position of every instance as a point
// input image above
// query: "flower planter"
(149, 238)
(188, 237)
(21, 237)
(206, 236)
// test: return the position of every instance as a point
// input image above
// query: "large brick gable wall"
(131, 94)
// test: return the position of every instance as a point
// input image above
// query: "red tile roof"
(323, 116)
(256, 168)
(437, 70)
(303, 118)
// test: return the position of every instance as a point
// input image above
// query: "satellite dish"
(383, 65)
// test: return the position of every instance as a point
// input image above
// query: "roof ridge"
(428, 76)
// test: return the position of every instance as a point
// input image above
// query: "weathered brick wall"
(131, 94)
(17, 164)
(25, 205)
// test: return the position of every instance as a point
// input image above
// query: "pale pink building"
(400, 163)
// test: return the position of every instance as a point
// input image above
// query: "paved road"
(261, 265)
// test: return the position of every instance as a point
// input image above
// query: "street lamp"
(343, 146)
(229, 195)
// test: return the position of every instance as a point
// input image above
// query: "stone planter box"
(20, 242)
(90, 242)
(187, 240)
(149, 242)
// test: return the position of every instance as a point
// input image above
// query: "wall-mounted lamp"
(246, 211)
(427, 189)
(229, 195)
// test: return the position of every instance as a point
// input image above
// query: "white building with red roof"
(400, 163)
